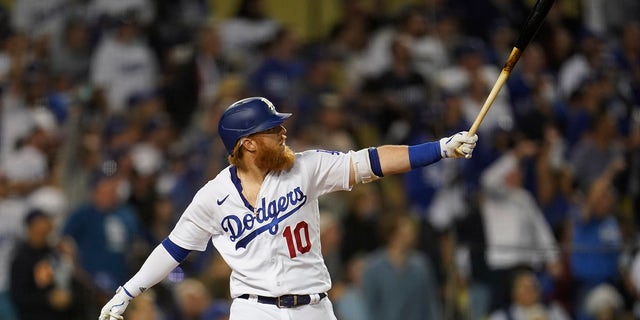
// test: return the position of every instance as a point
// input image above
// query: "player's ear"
(249, 144)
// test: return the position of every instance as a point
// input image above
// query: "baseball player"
(261, 214)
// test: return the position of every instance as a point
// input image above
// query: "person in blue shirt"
(399, 281)
(596, 239)
(103, 231)
(276, 76)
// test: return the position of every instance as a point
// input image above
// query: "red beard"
(274, 158)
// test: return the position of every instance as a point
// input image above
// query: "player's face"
(273, 153)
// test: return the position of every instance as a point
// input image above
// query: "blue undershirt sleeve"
(177, 252)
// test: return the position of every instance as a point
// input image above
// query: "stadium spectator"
(395, 98)
(13, 210)
(359, 224)
(123, 63)
(28, 166)
(103, 229)
(347, 294)
(527, 303)
(596, 240)
(319, 84)
(276, 76)
(70, 53)
(398, 280)
(248, 29)
(196, 81)
(597, 150)
(585, 63)
(40, 276)
(517, 233)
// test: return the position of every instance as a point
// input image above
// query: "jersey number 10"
(299, 235)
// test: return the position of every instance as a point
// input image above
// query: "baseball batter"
(261, 214)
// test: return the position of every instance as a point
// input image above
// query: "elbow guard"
(366, 165)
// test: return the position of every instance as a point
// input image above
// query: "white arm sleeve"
(157, 266)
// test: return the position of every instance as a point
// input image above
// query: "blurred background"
(108, 127)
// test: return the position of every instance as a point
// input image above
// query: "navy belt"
(286, 301)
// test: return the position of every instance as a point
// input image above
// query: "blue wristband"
(374, 160)
(424, 154)
(178, 253)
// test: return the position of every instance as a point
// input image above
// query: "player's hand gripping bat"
(534, 21)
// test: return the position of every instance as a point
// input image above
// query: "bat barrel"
(534, 21)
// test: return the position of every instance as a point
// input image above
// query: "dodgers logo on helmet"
(246, 117)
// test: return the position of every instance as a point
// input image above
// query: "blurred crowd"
(108, 122)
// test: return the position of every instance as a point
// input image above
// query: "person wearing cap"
(261, 214)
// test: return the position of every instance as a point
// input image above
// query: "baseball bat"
(530, 28)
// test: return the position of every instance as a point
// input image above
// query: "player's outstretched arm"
(162, 260)
(374, 163)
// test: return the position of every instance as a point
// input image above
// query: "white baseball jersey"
(274, 248)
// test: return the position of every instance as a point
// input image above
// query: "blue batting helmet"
(246, 117)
